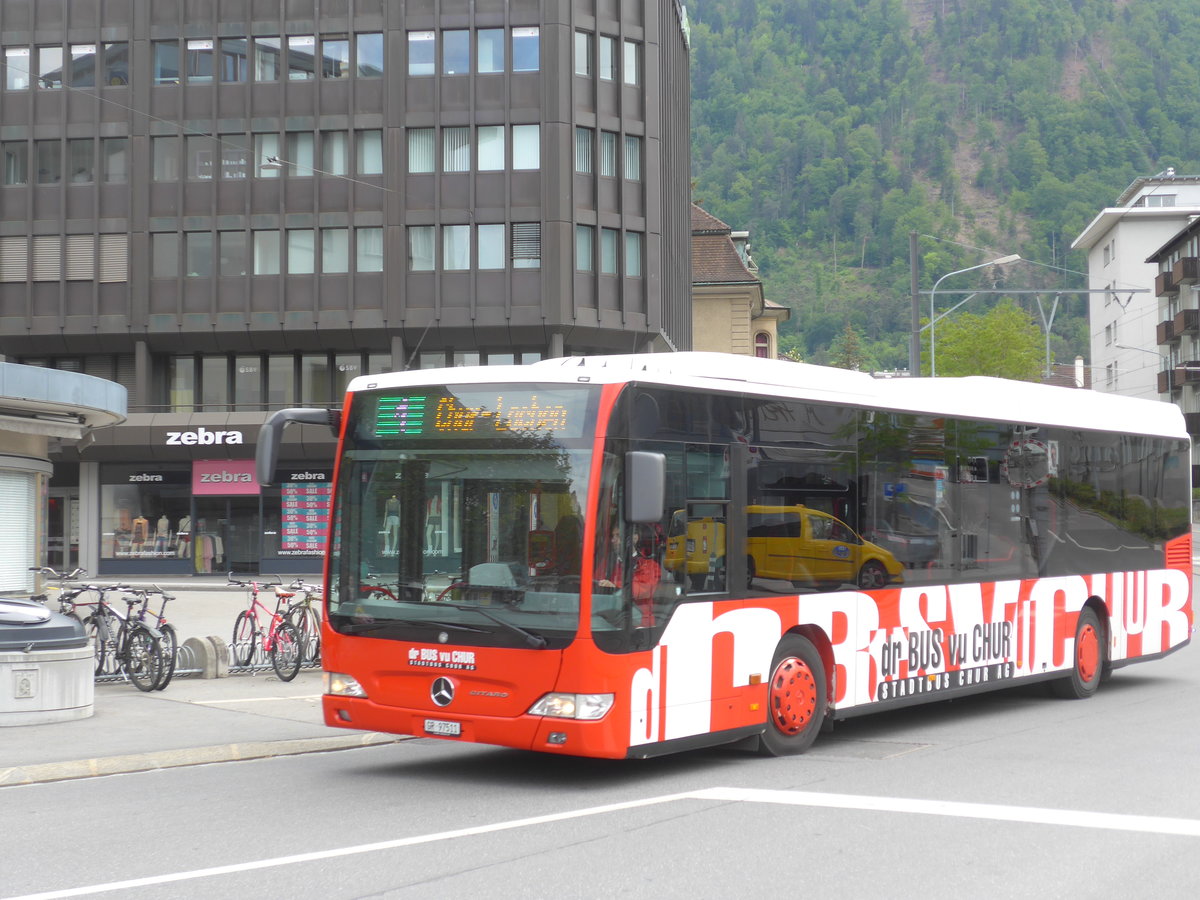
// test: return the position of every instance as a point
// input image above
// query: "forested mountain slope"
(832, 128)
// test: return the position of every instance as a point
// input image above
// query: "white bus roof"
(975, 397)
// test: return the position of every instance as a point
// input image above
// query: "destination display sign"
(475, 413)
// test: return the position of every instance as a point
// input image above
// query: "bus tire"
(795, 698)
(1088, 660)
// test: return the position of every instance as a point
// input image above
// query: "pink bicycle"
(279, 639)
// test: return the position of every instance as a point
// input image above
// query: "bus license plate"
(437, 726)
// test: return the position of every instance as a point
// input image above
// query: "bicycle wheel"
(141, 656)
(103, 648)
(169, 645)
(308, 627)
(285, 651)
(244, 636)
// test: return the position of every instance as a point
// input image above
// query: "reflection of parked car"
(798, 544)
(912, 548)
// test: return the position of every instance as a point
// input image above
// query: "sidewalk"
(192, 721)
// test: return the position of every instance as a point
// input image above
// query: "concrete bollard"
(221, 653)
(210, 655)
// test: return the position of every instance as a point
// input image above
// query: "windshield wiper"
(377, 624)
(536, 641)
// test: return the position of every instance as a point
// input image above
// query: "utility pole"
(914, 342)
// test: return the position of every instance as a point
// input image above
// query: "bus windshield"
(460, 510)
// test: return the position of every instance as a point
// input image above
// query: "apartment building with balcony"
(232, 206)
(1177, 332)
(1124, 309)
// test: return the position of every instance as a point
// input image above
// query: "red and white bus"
(628, 556)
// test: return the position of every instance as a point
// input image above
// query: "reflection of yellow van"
(796, 543)
(695, 548)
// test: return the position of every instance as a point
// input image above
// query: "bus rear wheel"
(795, 698)
(1088, 662)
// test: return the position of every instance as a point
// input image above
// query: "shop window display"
(144, 513)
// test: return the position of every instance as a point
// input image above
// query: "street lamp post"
(1012, 257)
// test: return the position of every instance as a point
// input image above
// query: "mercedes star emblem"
(442, 692)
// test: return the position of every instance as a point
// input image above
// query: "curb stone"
(42, 773)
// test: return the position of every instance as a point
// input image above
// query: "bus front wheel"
(1087, 661)
(795, 698)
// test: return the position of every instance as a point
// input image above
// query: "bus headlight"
(573, 706)
(342, 685)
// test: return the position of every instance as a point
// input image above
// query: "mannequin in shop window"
(183, 537)
(138, 534)
(162, 535)
(391, 526)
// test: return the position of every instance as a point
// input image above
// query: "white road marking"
(984, 811)
(1032, 815)
(252, 700)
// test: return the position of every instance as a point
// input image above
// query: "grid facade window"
(489, 50)
(526, 250)
(456, 149)
(420, 248)
(301, 58)
(16, 162)
(50, 68)
(631, 65)
(420, 151)
(266, 148)
(166, 62)
(234, 63)
(608, 251)
(200, 63)
(633, 157)
(608, 154)
(335, 57)
(16, 68)
(422, 46)
(633, 254)
(369, 55)
(585, 241)
(81, 160)
(583, 53)
(526, 147)
(490, 246)
(268, 51)
(456, 52)
(583, 150)
(368, 148)
(607, 62)
(489, 148)
(456, 247)
(82, 73)
(526, 49)
(368, 249)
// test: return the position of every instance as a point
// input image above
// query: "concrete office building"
(233, 206)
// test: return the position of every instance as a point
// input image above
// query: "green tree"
(1004, 342)
(847, 352)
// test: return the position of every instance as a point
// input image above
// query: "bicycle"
(304, 616)
(168, 638)
(123, 644)
(279, 640)
(66, 595)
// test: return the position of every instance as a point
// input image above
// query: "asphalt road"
(1011, 794)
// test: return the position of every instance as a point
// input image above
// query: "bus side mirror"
(645, 486)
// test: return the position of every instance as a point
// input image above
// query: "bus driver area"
(630, 556)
